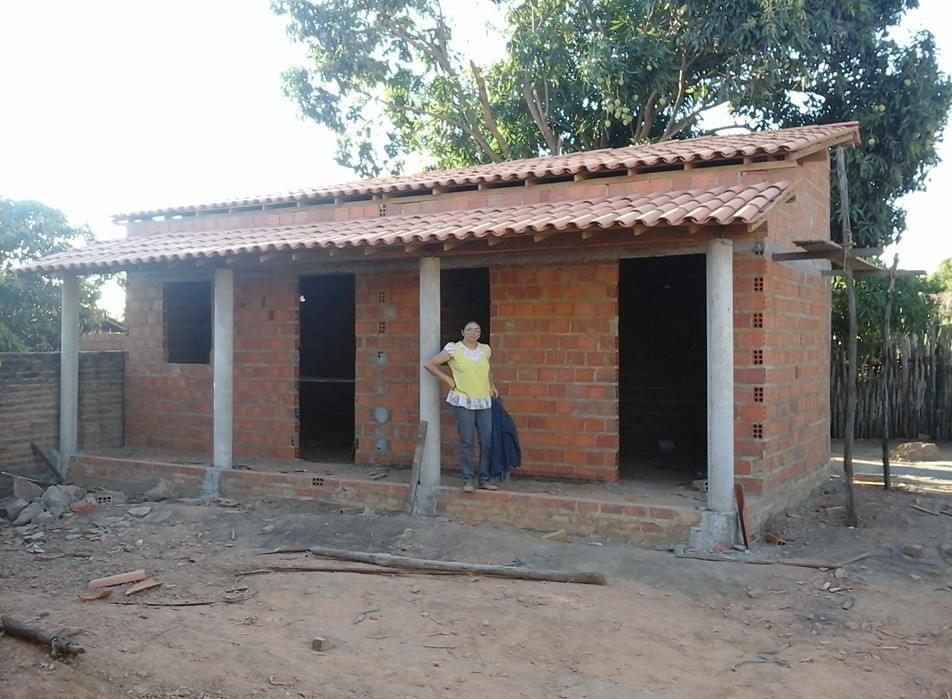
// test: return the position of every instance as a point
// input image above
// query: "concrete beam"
(223, 352)
(69, 372)
(429, 387)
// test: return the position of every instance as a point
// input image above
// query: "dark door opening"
(464, 296)
(662, 348)
(327, 355)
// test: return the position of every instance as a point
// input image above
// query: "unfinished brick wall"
(388, 366)
(554, 339)
(750, 343)
(103, 342)
(29, 407)
(168, 406)
(555, 359)
(266, 365)
(781, 359)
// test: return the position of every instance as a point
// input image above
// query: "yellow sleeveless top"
(470, 370)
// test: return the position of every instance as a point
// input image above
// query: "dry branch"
(423, 564)
(817, 565)
(58, 645)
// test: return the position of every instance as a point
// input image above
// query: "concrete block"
(320, 643)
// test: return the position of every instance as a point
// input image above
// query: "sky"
(111, 106)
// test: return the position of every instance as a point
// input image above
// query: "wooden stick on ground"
(58, 646)
(423, 564)
(198, 603)
(320, 569)
(818, 565)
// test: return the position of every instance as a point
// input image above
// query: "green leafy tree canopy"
(914, 312)
(386, 77)
(30, 304)
(942, 277)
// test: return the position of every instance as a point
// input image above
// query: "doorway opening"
(662, 348)
(464, 296)
(327, 358)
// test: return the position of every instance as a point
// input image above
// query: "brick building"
(638, 323)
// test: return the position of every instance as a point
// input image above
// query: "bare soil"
(664, 627)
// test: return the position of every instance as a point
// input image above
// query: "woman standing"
(471, 393)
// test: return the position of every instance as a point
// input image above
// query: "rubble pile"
(31, 503)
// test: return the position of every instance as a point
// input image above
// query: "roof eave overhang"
(529, 240)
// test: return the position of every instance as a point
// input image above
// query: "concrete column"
(69, 372)
(223, 347)
(719, 524)
(429, 387)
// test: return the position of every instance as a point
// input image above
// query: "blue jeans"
(468, 422)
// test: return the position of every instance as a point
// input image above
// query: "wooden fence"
(920, 390)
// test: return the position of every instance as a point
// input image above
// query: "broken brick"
(146, 584)
(83, 507)
(120, 579)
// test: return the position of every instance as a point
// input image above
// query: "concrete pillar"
(223, 348)
(430, 388)
(69, 372)
(719, 523)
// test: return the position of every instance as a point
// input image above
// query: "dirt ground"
(664, 627)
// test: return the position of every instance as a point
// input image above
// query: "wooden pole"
(411, 503)
(423, 564)
(850, 427)
(887, 365)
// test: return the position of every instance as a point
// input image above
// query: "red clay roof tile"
(709, 148)
(743, 204)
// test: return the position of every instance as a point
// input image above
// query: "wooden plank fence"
(920, 389)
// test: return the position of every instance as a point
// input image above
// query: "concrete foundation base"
(425, 505)
(211, 486)
(716, 529)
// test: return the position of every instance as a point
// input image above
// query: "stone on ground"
(28, 513)
(27, 490)
(11, 507)
(75, 492)
(56, 501)
(162, 491)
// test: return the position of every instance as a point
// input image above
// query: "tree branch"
(687, 121)
(679, 96)
(648, 112)
(532, 102)
(487, 112)
(440, 53)
(446, 119)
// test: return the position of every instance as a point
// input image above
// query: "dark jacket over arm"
(505, 454)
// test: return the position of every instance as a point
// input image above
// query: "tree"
(914, 310)
(582, 74)
(30, 304)
(942, 277)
